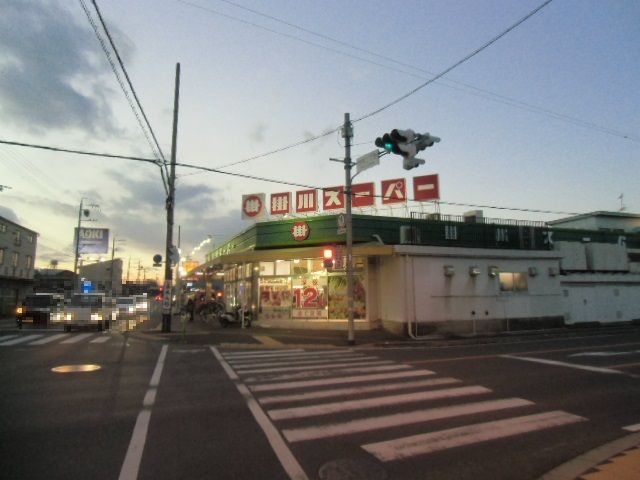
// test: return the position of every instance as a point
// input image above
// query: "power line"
(396, 101)
(458, 63)
(133, 91)
(482, 93)
(258, 178)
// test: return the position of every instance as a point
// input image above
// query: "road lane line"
(556, 363)
(131, 464)
(407, 418)
(413, 445)
(341, 392)
(373, 402)
(280, 448)
(632, 428)
(49, 339)
(269, 387)
(319, 361)
(18, 340)
(311, 367)
(78, 338)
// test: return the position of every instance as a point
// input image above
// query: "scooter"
(237, 315)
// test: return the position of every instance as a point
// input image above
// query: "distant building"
(53, 280)
(604, 221)
(17, 257)
(104, 276)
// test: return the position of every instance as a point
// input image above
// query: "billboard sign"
(92, 240)
(253, 206)
(426, 188)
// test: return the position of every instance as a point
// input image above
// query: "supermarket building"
(432, 273)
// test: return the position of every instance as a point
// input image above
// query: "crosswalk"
(40, 339)
(316, 396)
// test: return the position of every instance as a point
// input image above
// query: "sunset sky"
(543, 123)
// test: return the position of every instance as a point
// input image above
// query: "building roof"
(595, 214)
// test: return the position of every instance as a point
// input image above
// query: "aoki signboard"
(92, 240)
(425, 189)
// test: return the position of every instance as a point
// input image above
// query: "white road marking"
(78, 338)
(455, 437)
(564, 364)
(603, 354)
(261, 353)
(131, 464)
(298, 359)
(341, 392)
(319, 361)
(312, 367)
(286, 457)
(288, 385)
(18, 340)
(102, 339)
(360, 404)
(632, 428)
(7, 337)
(408, 418)
(49, 339)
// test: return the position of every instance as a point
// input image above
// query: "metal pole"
(347, 133)
(75, 261)
(168, 275)
(113, 252)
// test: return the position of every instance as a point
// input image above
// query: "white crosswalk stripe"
(457, 437)
(309, 393)
(42, 339)
(24, 339)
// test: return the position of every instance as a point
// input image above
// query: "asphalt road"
(231, 404)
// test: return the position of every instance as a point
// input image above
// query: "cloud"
(8, 214)
(54, 74)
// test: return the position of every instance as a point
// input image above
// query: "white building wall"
(601, 298)
(462, 302)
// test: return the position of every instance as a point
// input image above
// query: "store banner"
(253, 206)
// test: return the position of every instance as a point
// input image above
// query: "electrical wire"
(394, 102)
(261, 179)
(133, 90)
(458, 63)
(482, 93)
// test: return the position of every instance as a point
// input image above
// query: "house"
(17, 255)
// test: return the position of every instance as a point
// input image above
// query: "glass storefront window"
(283, 267)
(309, 297)
(266, 269)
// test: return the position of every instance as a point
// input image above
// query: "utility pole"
(75, 259)
(168, 274)
(347, 134)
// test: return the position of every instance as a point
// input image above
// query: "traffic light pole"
(168, 272)
(347, 134)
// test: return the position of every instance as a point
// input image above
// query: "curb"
(580, 465)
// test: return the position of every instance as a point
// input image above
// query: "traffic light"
(406, 143)
(328, 255)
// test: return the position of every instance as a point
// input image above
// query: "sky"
(541, 124)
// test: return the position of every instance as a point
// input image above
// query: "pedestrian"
(191, 308)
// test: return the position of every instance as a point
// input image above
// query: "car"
(40, 309)
(89, 309)
(126, 306)
(142, 303)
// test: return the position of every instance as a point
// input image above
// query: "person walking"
(191, 308)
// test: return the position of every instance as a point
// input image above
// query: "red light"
(328, 253)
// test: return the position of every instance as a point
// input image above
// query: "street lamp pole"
(168, 272)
